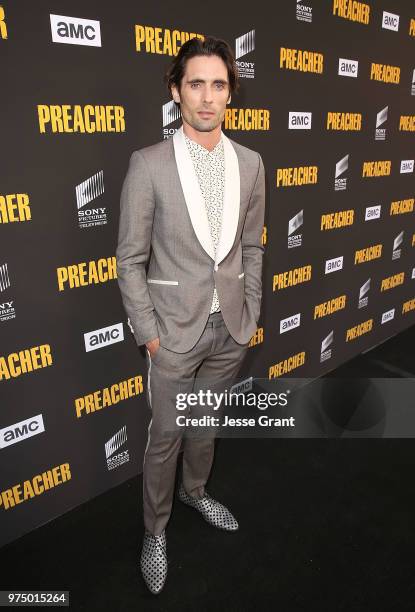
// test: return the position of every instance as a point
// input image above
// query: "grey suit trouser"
(211, 364)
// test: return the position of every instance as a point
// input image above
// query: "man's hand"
(153, 346)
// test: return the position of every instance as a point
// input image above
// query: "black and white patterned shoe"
(154, 561)
(212, 511)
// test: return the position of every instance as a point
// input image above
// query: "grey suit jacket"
(163, 221)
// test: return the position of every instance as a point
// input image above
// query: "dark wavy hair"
(208, 46)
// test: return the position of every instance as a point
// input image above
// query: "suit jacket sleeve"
(252, 249)
(134, 239)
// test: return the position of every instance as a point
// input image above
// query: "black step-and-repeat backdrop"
(327, 97)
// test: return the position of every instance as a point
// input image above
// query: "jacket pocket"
(157, 281)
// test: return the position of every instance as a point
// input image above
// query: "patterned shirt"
(210, 170)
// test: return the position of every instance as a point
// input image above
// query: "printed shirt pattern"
(210, 170)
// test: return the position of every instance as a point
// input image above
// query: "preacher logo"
(161, 40)
(246, 119)
(390, 282)
(25, 361)
(293, 225)
(344, 122)
(340, 184)
(368, 254)
(325, 351)
(299, 121)
(390, 21)
(89, 190)
(363, 297)
(103, 337)
(373, 212)
(303, 61)
(341, 218)
(407, 122)
(408, 306)
(372, 169)
(257, 338)
(243, 45)
(333, 265)
(329, 307)
(109, 396)
(290, 278)
(287, 365)
(352, 10)
(412, 27)
(75, 31)
(381, 117)
(301, 175)
(113, 445)
(21, 431)
(171, 113)
(407, 166)
(37, 485)
(86, 119)
(3, 26)
(304, 12)
(402, 206)
(385, 73)
(87, 273)
(388, 316)
(358, 330)
(14, 207)
(348, 67)
(290, 323)
(396, 251)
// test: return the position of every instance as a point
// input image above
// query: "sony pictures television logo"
(381, 118)
(413, 83)
(304, 11)
(243, 45)
(170, 114)
(340, 184)
(325, 351)
(7, 310)
(295, 240)
(75, 31)
(113, 444)
(86, 192)
(363, 294)
(396, 251)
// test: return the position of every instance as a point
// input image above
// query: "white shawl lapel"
(195, 202)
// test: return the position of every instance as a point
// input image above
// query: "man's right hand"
(153, 346)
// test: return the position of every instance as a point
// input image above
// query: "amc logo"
(290, 323)
(22, 430)
(299, 121)
(103, 337)
(75, 31)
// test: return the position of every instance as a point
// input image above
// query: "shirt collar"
(217, 148)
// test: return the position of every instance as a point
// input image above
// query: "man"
(192, 207)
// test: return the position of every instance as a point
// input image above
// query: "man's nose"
(207, 95)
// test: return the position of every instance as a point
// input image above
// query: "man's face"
(204, 92)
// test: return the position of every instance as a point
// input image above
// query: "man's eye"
(194, 84)
(219, 85)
